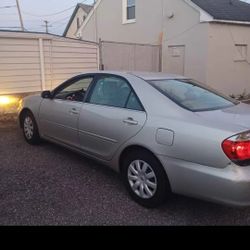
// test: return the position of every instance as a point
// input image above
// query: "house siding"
(224, 72)
(185, 29)
(106, 23)
(206, 49)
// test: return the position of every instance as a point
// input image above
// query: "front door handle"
(74, 111)
(130, 121)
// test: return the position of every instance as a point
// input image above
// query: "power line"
(7, 6)
(52, 14)
(60, 20)
(60, 25)
(27, 13)
(10, 27)
(8, 14)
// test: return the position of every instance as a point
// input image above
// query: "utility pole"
(20, 15)
(47, 26)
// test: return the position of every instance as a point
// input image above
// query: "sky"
(34, 13)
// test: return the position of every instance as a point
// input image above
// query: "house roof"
(85, 7)
(228, 10)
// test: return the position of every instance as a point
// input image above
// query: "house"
(79, 15)
(208, 40)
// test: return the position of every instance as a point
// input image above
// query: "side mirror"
(46, 94)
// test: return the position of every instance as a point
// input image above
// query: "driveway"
(48, 185)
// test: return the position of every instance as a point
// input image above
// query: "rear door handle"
(74, 111)
(130, 121)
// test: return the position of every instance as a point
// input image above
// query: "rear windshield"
(192, 95)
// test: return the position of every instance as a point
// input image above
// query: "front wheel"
(30, 129)
(145, 179)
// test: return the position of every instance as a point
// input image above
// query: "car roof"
(156, 75)
(143, 74)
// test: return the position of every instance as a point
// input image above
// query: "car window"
(75, 91)
(192, 96)
(133, 102)
(110, 91)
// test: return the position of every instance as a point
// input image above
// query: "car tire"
(30, 129)
(145, 179)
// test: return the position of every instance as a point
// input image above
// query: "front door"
(176, 60)
(111, 115)
(59, 116)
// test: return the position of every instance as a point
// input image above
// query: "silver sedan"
(163, 133)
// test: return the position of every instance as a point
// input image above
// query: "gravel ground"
(48, 185)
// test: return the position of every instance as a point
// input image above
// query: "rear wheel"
(145, 179)
(30, 129)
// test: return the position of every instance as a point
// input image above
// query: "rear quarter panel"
(193, 141)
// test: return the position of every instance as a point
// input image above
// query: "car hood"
(236, 118)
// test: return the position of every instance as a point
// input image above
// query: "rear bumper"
(230, 185)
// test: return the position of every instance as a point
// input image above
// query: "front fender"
(31, 103)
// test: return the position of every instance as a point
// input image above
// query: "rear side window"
(114, 92)
(192, 96)
(133, 102)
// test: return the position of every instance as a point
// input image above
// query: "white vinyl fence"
(31, 62)
(130, 56)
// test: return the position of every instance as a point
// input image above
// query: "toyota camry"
(163, 133)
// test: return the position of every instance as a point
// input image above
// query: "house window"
(130, 9)
(78, 22)
(240, 52)
(129, 15)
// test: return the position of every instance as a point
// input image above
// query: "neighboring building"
(208, 40)
(78, 17)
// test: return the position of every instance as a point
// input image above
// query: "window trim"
(241, 45)
(125, 20)
(92, 87)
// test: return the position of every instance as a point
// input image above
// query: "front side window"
(75, 91)
(192, 96)
(115, 92)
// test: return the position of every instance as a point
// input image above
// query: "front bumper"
(230, 185)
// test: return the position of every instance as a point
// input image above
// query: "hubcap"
(28, 127)
(142, 179)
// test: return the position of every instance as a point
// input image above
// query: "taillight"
(237, 148)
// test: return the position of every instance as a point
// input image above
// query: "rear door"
(111, 115)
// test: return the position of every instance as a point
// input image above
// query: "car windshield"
(192, 96)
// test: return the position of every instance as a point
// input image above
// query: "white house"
(79, 15)
(208, 40)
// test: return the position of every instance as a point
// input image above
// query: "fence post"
(160, 58)
(101, 66)
(42, 66)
